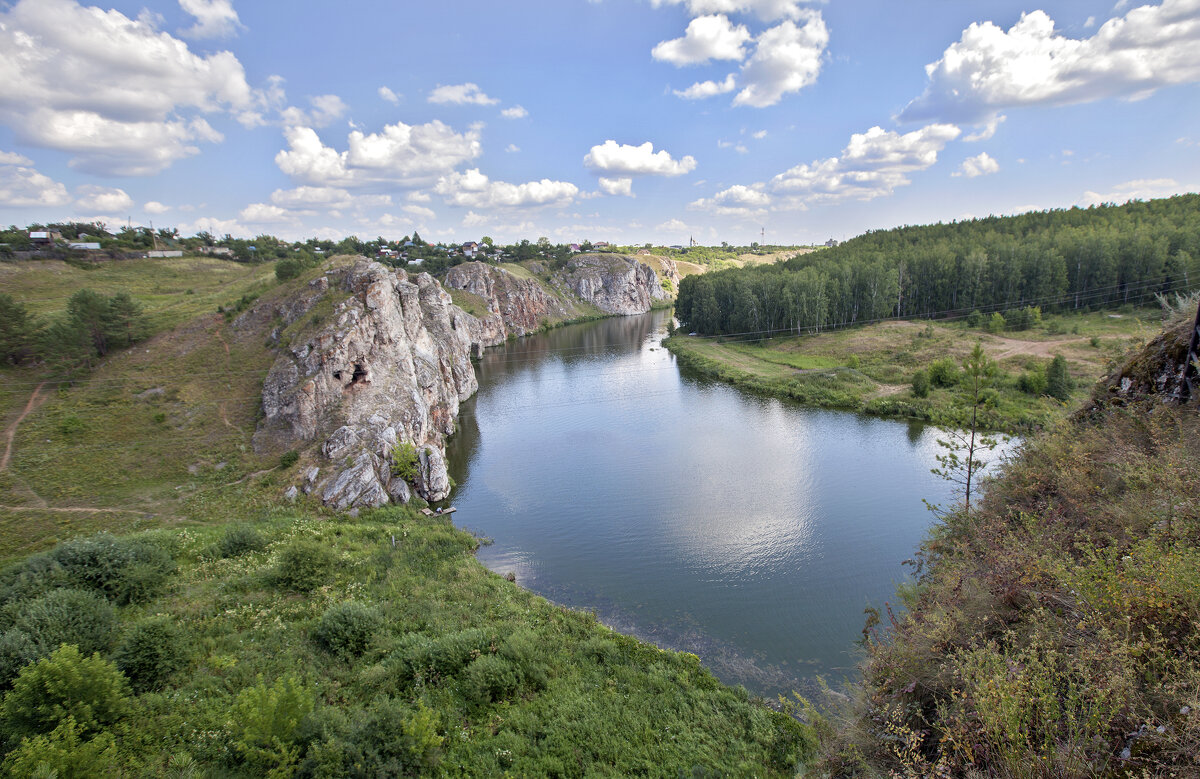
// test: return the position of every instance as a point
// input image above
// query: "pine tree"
(1058, 381)
(961, 464)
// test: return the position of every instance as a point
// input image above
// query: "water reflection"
(742, 528)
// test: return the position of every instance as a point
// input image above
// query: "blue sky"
(620, 120)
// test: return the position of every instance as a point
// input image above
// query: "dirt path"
(10, 432)
(1011, 347)
(74, 510)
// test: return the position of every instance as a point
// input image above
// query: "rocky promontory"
(370, 382)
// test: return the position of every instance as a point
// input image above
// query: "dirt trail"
(74, 510)
(1011, 347)
(10, 432)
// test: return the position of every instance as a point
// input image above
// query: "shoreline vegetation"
(873, 369)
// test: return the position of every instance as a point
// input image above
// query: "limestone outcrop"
(613, 283)
(391, 366)
(515, 305)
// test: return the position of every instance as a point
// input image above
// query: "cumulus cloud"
(990, 69)
(401, 154)
(121, 96)
(516, 112)
(390, 96)
(325, 109)
(210, 224)
(155, 207)
(214, 18)
(872, 165)
(980, 165)
(787, 58)
(628, 160)
(265, 213)
(738, 200)
(476, 190)
(21, 186)
(672, 226)
(420, 211)
(618, 186)
(705, 89)
(102, 200)
(767, 10)
(461, 94)
(1138, 189)
(512, 148)
(706, 38)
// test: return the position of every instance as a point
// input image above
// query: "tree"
(1058, 380)
(67, 684)
(961, 463)
(17, 331)
(89, 311)
(124, 323)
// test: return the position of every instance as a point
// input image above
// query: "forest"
(1056, 260)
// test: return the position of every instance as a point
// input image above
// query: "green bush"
(346, 628)
(288, 268)
(67, 684)
(525, 652)
(303, 566)
(996, 323)
(17, 650)
(64, 754)
(76, 617)
(1058, 380)
(265, 723)
(123, 570)
(239, 540)
(490, 678)
(1032, 381)
(975, 319)
(943, 372)
(920, 384)
(151, 651)
(288, 459)
(404, 461)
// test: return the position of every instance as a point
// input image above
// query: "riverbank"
(870, 369)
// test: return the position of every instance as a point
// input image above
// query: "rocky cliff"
(613, 283)
(515, 305)
(391, 365)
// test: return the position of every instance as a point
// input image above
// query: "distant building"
(44, 236)
(600, 245)
(217, 251)
(164, 253)
(831, 243)
(575, 248)
(470, 248)
(84, 246)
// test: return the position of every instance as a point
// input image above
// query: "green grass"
(870, 368)
(469, 302)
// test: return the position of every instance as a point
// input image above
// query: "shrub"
(123, 570)
(288, 459)
(943, 373)
(265, 721)
(67, 684)
(17, 650)
(64, 754)
(287, 268)
(490, 678)
(996, 323)
(346, 629)
(239, 540)
(151, 651)
(524, 650)
(920, 384)
(393, 740)
(1058, 380)
(303, 566)
(1032, 381)
(404, 461)
(975, 319)
(75, 617)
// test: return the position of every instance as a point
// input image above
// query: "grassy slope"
(869, 368)
(104, 454)
(1058, 625)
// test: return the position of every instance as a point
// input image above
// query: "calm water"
(744, 529)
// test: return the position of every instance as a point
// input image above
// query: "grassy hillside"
(236, 635)
(871, 368)
(1055, 630)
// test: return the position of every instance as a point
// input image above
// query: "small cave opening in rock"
(359, 375)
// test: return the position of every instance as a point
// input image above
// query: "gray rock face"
(392, 365)
(613, 283)
(515, 305)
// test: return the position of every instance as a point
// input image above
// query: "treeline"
(72, 344)
(1064, 259)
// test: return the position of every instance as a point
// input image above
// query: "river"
(745, 529)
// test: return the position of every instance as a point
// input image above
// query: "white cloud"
(264, 213)
(618, 186)
(627, 160)
(758, 136)
(988, 130)
(767, 10)
(461, 94)
(420, 211)
(1090, 22)
(419, 197)
(390, 96)
(402, 155)
(787, 59)
(155, 207)
(872, 165)
(980, 165)
(325, 109)
(516, 112)
(1138, 189)
(473, 219)
(102, 200)
(705, 89)
(672, 226)
(738, 200)
(512, 148)
(214, 18)
(120, 95)
(476, 190)
(218, 227)
(706, 38)
(990, 69)
(21, 186)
